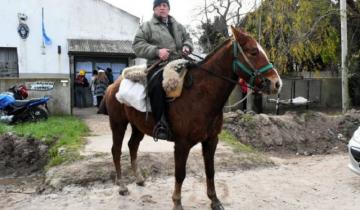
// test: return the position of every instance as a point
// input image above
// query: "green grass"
(249, 155)
(58, 131)
(231, 140)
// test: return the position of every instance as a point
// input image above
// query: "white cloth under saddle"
(133, 94)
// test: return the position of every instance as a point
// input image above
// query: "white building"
(85, 34)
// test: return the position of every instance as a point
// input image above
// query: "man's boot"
(162, 130)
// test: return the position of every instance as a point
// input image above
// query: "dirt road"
(297, 182)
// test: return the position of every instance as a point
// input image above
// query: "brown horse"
(197, 115)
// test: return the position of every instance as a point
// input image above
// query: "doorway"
(88, 64)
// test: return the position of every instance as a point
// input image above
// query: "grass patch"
(249, 156)
(58, 132)
(231, 140)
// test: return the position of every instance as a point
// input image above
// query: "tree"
(353, 15)
(216, 17)
(298, 34)
(354, 36)
(213, 34)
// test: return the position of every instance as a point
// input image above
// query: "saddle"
(173, 74)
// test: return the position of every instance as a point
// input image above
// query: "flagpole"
(42, 28)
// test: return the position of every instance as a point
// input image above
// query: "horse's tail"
(102, 108)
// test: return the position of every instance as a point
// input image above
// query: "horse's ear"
(239, 35)
(234, 32)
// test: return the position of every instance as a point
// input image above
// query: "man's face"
(162, 10)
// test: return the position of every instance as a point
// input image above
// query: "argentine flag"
(46, 39)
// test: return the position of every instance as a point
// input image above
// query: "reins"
(252, 73)
(195, 64)
(221, 77)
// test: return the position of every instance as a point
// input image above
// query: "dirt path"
(313, 182)
(317, 182)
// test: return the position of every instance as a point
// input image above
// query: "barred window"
(8, 62)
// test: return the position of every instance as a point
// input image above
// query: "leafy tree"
(299, 35)
(354, 36)
(353, 14)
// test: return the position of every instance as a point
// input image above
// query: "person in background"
(81, 84)
(160, 39)
(110, 75)
(244, 90)
(257, 98)
(92, 86)
(100, 84)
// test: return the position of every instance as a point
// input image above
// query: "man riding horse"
(160, 39)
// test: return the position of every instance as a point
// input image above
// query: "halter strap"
(251, 72)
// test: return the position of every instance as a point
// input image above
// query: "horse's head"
(252, 64)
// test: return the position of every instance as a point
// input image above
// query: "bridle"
(238, 66)
(251, 73)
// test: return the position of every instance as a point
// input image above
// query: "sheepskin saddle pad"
(173, 74)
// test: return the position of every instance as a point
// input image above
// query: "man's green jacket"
(154, 35)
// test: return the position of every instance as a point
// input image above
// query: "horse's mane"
(215, 50)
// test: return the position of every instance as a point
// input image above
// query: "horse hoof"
(140, 182)
(217, 206)
(124, 191)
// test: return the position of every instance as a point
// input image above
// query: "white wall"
(64, 19)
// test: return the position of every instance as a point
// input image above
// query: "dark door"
(8, 62)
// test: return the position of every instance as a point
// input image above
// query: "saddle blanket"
(132, 88)
(173, 74)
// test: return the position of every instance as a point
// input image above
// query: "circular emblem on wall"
(23, 30)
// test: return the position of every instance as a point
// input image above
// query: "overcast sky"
(181, 10)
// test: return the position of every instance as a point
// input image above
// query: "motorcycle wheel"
(39, 113)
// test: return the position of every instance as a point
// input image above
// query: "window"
(8, 62)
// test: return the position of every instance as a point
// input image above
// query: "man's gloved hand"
(186, 50)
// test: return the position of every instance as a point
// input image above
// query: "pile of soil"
(21, 156)
(294, 133)
(100, 168)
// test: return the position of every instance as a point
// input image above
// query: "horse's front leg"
(181, 156)
(208, 149)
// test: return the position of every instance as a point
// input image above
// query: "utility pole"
(344, 52)
(259, 24)
(250, 95)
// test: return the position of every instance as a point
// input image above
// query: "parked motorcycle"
(14, 111)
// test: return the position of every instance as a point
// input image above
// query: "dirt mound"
(100, 169)
(307, 133)
(21, 156)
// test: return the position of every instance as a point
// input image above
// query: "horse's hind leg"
(118, 132)
(136, 137)
(208, 149)
(181, 156)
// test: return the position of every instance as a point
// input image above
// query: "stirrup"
(161, 131)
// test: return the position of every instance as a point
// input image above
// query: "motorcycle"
(14, 109)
